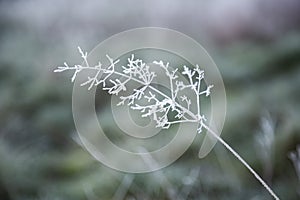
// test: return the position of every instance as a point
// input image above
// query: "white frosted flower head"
(138, 71)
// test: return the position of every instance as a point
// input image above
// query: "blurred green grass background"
(256, 46)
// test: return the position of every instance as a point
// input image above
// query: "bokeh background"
(256, 45)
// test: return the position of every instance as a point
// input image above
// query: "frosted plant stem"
(138, 71)
(229, 148)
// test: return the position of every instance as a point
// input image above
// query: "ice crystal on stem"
(159, 105)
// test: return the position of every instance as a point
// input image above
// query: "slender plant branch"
(137, 71)
(229, 148)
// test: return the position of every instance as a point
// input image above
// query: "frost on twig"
(159, 105)
(95, 80)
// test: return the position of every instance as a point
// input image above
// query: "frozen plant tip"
(159, 104)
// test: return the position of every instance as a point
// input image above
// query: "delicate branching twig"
(159, 105)
(92, 81)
